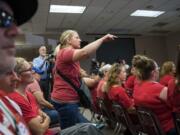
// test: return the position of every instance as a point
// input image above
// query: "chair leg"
(93, 116)
(140, 133)
(116, 129)
(119, 129)
(82, 111)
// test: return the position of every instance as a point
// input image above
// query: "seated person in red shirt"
(114, 88)
(12, 14)
(129, 84)
(45, 105)
(167, 72)
(100, 88)
(37, 120)
(174, 87)
(151, 94)
(92, 82)
(132, 79)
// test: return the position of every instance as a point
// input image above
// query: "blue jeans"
(69, 114)
(53, 114)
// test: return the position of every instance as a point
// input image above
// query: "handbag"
(83, 91)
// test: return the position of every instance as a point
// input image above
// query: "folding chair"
(149, 122)
(176, 117)
(124, 118)
(106, 111)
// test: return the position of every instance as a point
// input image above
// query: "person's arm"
(83, 73)
(164, 93)
(124, 99)
(91, 48)
(91, 82)
(41, 101)
(39, 124)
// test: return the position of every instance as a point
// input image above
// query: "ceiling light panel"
(147, 13)
(66, 9)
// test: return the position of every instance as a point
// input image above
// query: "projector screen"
(120, 48)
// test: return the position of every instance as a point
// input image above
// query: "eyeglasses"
(6, 20)
(26, 70)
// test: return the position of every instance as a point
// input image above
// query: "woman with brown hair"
(132, 80)
(167, 72)
(151, 94)
(116, 91)
(174, 87)
(114, 86)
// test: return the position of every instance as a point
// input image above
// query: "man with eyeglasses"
(12, 14)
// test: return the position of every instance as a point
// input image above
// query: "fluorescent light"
(66, 9)
(147, 13)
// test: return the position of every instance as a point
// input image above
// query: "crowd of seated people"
(33, 115)
(160, 94)
(142, 87)
(145, 90)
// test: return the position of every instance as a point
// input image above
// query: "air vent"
(160, 24)
(159, 31)
(149, 7)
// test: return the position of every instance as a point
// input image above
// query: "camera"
(49, 56)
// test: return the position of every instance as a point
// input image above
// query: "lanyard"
(9, 115)
(7, 112)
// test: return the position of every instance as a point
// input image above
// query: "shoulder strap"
(67, 80)
(41, 66)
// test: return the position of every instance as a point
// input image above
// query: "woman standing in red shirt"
(65, 98)
(151, 94)
(167, 72)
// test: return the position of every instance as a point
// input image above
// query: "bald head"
(42, 51)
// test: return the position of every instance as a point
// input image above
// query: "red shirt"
(11, 117)
(147, 94)
(119, 95)
(165, 79)
(130, 82)
(93, 91)
(62, 91)
(30, 108)
(33, 87)
(100, 93)
(174, 95)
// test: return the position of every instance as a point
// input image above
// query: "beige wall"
(20, 40)
(172, 42)
(153, 47)
(158, 48)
